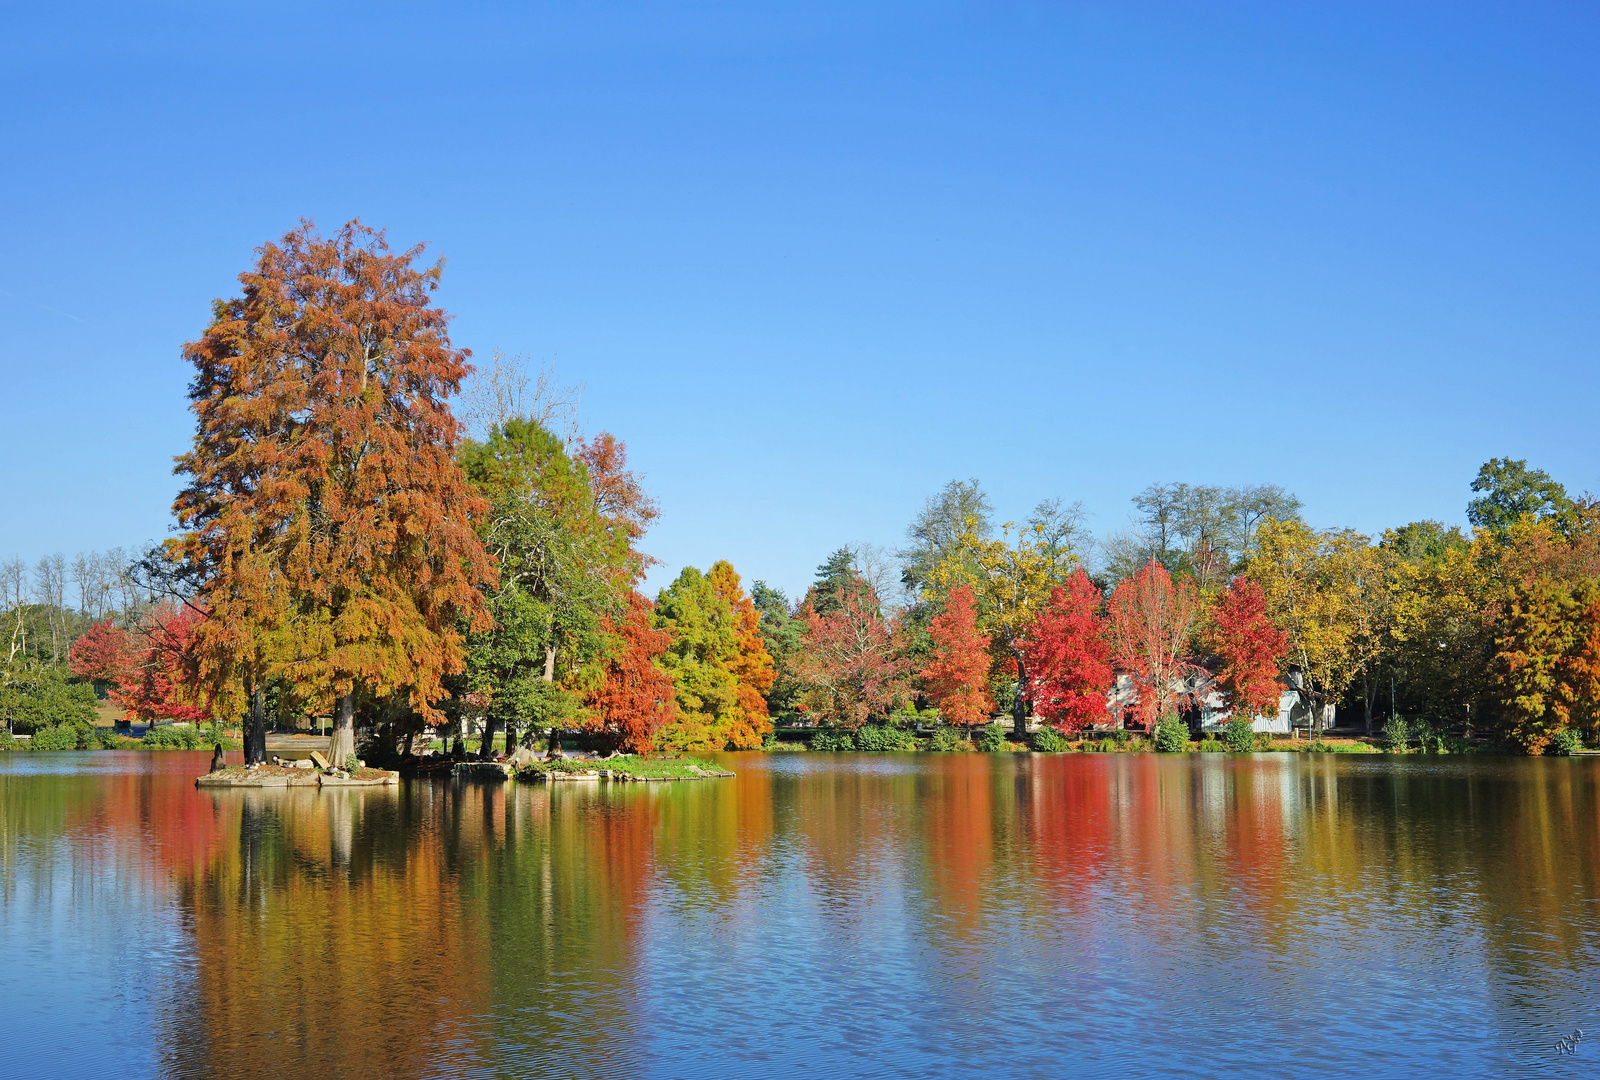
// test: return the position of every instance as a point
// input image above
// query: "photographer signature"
(1568, 1044)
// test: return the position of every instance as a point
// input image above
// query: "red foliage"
(957, 675)
(636, 699)
(1150, 620)
(852, 664)
(158, 682)
(1067, 657)
(620, 498)
(102, 654)
(1250, 647)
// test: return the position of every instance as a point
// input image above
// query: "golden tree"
(1012, 583)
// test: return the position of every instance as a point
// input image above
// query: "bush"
(1108, 745)
(1237, 735)
(1172, 736)
(65, 737)
(882, 739)
(949, 739)
(6, 741)
(44, 698)
(1212, 745)
(993, 740)
(174, 738)
(828, 739)
(1047, 740)
(1567, 741)
(1396, 734)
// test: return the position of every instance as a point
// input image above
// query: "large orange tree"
(327, 520)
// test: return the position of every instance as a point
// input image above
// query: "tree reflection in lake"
(940, 915)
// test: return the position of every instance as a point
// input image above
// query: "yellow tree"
(1012, 583)
(1333, 593)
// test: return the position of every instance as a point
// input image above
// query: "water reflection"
(915, 914)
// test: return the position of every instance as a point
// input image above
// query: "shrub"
(1396, 734)
(44, 698)
(1213, 745)
(174, 738)
(993, 740)
(64, 737)
(6, 741)
(882, 739)
(1108, 745)
(1566, 741)
(1172, 736)
(829, 739)
(1047, 740)
(948, 739)
(1237, 735)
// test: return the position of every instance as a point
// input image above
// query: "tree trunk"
(486, 746)
(255, 729)
(344, 732)
(1019, 707)
(511, 738)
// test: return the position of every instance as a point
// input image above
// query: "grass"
(683, 768)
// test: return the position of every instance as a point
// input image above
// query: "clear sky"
(811, 262)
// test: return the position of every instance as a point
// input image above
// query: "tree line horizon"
(347, 549)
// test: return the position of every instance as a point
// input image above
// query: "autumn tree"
(852, 663)
(1068, 656)
(717, 661)
(325, 514)
(635, 699)
(101, 654)
(1249, 649)
(956, 675)
(158, 680)
(1150, 620)
(1333, 593)
(1012, 582)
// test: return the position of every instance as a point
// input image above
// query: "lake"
(915, 915)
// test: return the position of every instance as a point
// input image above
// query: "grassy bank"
(641, 768)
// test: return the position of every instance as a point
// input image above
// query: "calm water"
(821, 915)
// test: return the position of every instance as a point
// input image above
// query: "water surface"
(912, 915)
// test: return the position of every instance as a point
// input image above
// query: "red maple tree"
(1151, 617)
(956, 677)
(1067, 657)
(101, 654)
(636, 698)
(852, 664)
(1249, 646)
(158, 682)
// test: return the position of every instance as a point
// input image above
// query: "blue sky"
(813, 262)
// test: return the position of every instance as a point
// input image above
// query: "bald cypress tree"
(327, 519)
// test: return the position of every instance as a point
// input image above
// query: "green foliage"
(43, 697)
(782, 633)
(1047, 740)
(6, 741)
(1396, 734)
(1237, 736)
(1213, 745)
(884, 738)
(175, 738)
(631, 765)
(949, 739)
(1566, 742)
(1172, 735)
(993, 740)
(1510, 490)
(831, 739)
(65, 737)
